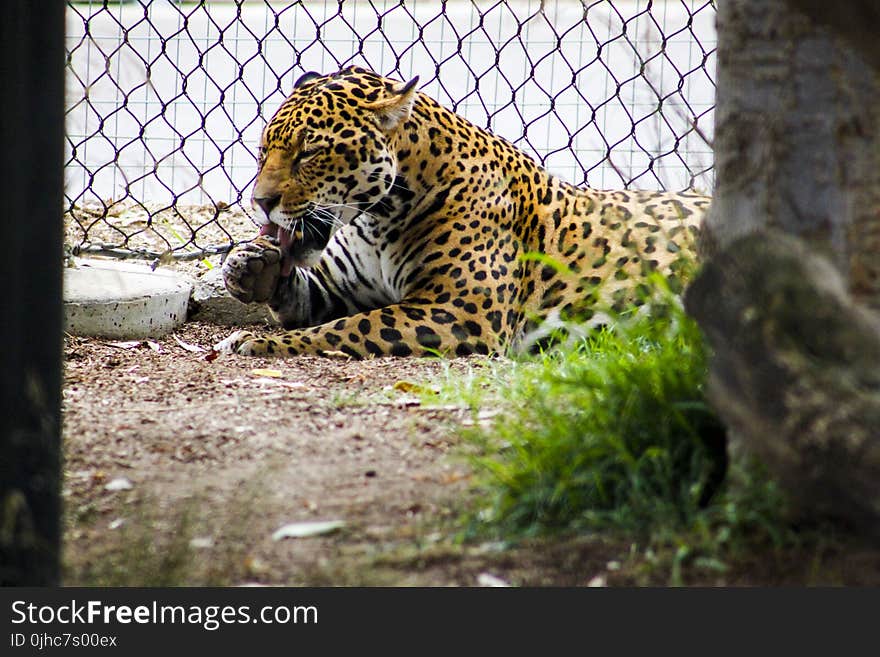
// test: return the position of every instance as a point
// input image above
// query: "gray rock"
(211, 303)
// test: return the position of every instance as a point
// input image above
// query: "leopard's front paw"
(251, 271)
(234, 343)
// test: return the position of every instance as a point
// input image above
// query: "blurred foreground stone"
(796, 372)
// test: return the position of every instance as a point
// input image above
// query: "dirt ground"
(180, 467)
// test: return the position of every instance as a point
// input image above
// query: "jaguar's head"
(325, 157)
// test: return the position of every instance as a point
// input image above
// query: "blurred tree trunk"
(797, 139)
(31, 156)
(792, 249)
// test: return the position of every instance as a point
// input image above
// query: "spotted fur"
(392, 226)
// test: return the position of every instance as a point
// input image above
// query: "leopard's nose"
(267, 203)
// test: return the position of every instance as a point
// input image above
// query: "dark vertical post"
(31, 189)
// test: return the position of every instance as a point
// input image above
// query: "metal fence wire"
(166, 100)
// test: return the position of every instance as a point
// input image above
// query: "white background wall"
(167, 101)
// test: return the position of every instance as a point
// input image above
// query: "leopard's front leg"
(252, 273)
(418, 329)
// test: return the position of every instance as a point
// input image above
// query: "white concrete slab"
(122, 300)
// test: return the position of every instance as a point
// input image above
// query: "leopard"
(390, 225)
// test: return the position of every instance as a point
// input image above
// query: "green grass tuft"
(616, 434)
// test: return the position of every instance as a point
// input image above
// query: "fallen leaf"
(194, 348)
(488, 579)
(125, 344)
(415, 388)
(335, 354)
(165, 258)
(306, 529)
(599, 581)
(274, 374)
(133, 221)
(452, 477)
(155, 346)
(276, 382)
(212, 355)
(120, 483)
(255, 566)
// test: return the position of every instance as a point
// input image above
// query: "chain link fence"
(166, 100)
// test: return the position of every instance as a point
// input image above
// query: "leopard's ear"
(396, 105)
(305, 77)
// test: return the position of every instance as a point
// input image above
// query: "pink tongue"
(284, 239)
